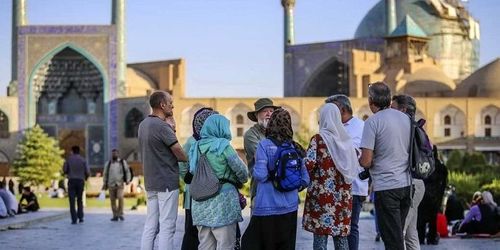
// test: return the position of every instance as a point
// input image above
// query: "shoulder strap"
(123, 171)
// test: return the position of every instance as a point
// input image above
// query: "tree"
(39, 158)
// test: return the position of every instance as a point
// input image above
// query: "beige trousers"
(114, 194)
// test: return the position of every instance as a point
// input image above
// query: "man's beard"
(115, 158)
(263, 122)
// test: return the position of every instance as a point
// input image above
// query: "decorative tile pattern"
(110, 90)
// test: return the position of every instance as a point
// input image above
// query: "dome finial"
(288, 3)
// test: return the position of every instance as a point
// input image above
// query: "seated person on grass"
(28, 202)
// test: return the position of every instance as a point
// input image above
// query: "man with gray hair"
(354, 127)
(407, 105)
(161, 153)
(385, 149)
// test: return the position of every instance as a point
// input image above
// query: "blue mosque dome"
(450, 28)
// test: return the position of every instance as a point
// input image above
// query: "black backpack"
(286, 174)
(124, 172)
(421, 157)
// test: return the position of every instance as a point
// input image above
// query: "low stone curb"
(28, 222)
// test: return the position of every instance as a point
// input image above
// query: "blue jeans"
(353, 238)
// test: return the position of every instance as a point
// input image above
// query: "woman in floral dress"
(332, 162)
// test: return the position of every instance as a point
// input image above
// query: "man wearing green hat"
(264, 108)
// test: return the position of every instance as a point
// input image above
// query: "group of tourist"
(9, 206)
(329, 170)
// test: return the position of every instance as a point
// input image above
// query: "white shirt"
(354, 128)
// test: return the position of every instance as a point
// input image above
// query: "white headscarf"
(488, 198)
(338, 142)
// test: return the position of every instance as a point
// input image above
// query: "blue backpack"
(286, 175)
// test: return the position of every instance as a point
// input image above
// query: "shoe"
(80, 221)
(114, 219)
(73, 223)
(121, 218)
(377, 238)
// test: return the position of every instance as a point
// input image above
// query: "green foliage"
(39, 158)
(465, 184)
(474, 159)
(454, 161)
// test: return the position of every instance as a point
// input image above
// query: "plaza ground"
(51, 229)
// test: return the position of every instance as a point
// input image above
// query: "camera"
(364, 175)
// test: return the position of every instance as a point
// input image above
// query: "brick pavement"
(99, 233)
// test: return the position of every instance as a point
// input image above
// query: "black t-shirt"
(29, 198)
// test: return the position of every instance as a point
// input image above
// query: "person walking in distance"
(116, 175)
(77, 171)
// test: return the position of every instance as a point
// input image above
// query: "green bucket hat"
(259, 105)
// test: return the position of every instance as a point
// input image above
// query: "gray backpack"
(205, 183)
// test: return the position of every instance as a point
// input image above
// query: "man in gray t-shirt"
(160, 156)
(385, 145)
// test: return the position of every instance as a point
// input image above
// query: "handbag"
(205, 183)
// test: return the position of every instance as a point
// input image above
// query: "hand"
(170, 121)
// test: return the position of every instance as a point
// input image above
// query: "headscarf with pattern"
(279, 127)
(199, 119)
(215, 136)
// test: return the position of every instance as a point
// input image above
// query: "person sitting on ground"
(3, 209)
(454, 209)
(9, 199)
(481, 218)
(31, 204)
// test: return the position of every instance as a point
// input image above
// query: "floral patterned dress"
(328, 206)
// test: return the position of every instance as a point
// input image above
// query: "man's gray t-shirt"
(387, 133)
(161, 170)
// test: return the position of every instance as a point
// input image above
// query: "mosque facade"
(74, 82)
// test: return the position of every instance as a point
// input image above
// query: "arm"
(260, 171)
(250, 142)
(127, 171)
(105, 176)
(366, 158)
(367, 144)
(171, 121)
(22, 199)
(236, 164)
(184, 166)
(178, 152)
(169, 138)
(310, 159)
(87, 170)
(305, 178)
(65, 168)
(473, 214)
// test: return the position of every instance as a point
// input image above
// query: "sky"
(231, 47)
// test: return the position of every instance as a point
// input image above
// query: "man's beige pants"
(114, 194)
